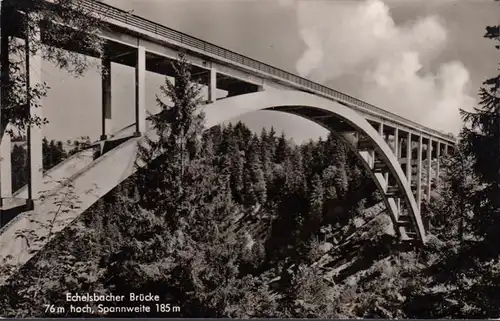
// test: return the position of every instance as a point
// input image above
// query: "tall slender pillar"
(446, 149)
(438, 156)
(397, 151)
(381, 133)
(6, 166)
(212, 85)
(408, 158)
(35, 156)
(140, 91)
(396, 143)
(429, 169)
(419, 172)
(5, 139)
(106, 97)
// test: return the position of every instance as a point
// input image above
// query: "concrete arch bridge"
(375, 135)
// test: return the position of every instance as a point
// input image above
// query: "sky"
(422, 59)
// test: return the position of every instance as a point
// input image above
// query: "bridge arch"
(366, 142)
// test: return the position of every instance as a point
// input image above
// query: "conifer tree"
(179, 227)
(53, 153)
(481, 138)
(266, 148)
(178, 129)
(316, 201)
(452, 210)
(282, 149)
(254, 180)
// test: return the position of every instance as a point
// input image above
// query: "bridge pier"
(6, 166)
(400, 146)
(106, 97)
(140, 91)
(35, 152)
(429, 169)
(381, 133)
(438, 156)
(397, 147)
(397, 152)
(212, 85)
(409, 152)
(419, 173)
(5, 140)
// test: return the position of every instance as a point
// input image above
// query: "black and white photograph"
(329, 159)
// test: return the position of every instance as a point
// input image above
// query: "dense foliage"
(54, 152)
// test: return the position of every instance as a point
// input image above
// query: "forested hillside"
(225, 222)
(279, 207)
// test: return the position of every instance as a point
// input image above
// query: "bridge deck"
(117, 16)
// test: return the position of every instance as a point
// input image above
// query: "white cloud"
(360, 39)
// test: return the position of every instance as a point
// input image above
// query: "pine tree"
(482, 137)
(329, 176)
(266, 152)
(181, 245)
(482, 141)
(282, 149)
(242, 134)
(254, 181)
(53, 153)
(232, 162)
(178, 129)
(316, 201)
(452, 209)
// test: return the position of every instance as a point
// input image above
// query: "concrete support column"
(6, 166)
(419, 173)
(381, 133)
(5, 143)
(438, 156)
(35, 152)
(408, 158)
(397, 151)
(212, 85)
(140, 92)
(429, 169)
(106, 97)
(446, 149)
(397, 148)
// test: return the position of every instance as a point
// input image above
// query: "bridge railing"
(163, 31)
